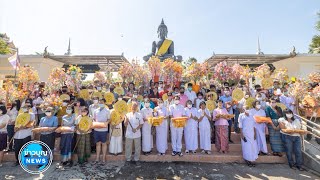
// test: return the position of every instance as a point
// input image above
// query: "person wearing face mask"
(50, 121)
(68, 120)
(169, 101)
(79, 105)
(61, 112)
(83, 139)
(287, 100)
(261, 101)
(147, 137)
(226, 97)
(260, 128)
(176, 110)
(292, 141)
(23, 134)
(133, 123)
(198, 100)
(204, 128)
(248, 137)
(162, 129)
(102, 114)
(221, 128)
(146, 98)
(183, 97)
(190, 93)
(12, 113)
(275, 89)
(275, 112)
(229, 109)
(4, 119)
(93, 107)
(191, 128)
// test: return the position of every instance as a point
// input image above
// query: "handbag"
(116, 132)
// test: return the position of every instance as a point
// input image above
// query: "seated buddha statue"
(164, 48)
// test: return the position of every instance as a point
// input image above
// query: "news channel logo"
(35, 157)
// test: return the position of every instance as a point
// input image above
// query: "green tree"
(314, 46)
(4, 49)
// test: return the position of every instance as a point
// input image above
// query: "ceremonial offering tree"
(314, 77)
(3, 94)
(56, 79)
(281, 75)
(154, 65)
(126, 72)
(140, 74)
(299, 89)
(100, 76)
(27, 76)
(73, 80)
(224, 73)
(196, 71)
(172, 71)
(262, 71)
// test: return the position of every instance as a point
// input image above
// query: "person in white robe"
(115, 146)
(147, 137)
(191, 128)
(260, 128)
(288, 100)
(204, 128)
(176, 110)
(162, 129)
(198, 100)
(248, 140)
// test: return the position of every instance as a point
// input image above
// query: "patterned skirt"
(275, 138)
(83, 147)
(222, 138)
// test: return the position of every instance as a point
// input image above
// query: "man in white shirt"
(176, 110)
(191, 94)
(133, 122)
(102, 114)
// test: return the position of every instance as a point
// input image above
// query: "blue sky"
(198, 28)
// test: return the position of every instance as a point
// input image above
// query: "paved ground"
(180, 170)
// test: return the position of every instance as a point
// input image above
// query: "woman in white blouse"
(292, 141)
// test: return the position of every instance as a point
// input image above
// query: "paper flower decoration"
(154, 65)
(262, 71)
(115, 118)
(172, 71)
(126, 72)
(121, 107)
(140, 74)
(314, 77)
(73, 80)
(53, 100)
(223, 72)
(101, 76)
(27, 75)
(281, 75)
(3, 94)
(56, 79)
(299, 89)
(196, 71)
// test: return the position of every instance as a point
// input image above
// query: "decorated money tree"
(262, 71)
(281, 75)
(172, 71)
(154, 65)
(56, 79)
(73, 80)
(27, 76)
(126, 72)
(100, 76)
(225, 73)
(141, 75)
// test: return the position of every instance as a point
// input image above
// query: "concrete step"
(215, 157)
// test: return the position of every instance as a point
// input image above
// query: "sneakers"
(173, 153)
(180, 154)
(187, 151)
(203, 151)
(208, 152)
(194, 152)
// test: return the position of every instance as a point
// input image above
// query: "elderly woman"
(292, 141)
(66, 137)
(204, 128)
(50, 121)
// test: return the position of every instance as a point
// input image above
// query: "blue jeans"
(293, 145)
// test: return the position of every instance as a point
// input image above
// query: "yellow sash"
(164, 47)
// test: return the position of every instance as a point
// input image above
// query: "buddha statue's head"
(162, 30)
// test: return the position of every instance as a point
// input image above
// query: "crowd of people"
(212, 127)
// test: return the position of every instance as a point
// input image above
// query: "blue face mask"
(190, 88)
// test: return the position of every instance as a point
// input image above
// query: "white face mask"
(147, 105)
(246, 111)
(246, 96)
(134, 96)
(95, 101)
(101, 105)
(119, 99)
(227, 93)
(98, 88)
(176, 102)
(48, 113)
(189, 106)
(68, 111)
(64, 104)
(259, 98)
(161, 105)
(289, 116)
(258, 106)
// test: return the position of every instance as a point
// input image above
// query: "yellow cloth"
(61, 112)
(164, 47)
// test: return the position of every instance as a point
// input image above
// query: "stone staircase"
(234, 155)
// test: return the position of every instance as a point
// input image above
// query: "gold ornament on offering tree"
(267, 83)
(97, 94)
(211, 105)
(179, 122)
(84, 93)
(85, 124)
(109, 98)
(115, 118)
(121, 107)
(237, 94)
(214, 95)
(282, 106)
(155, 121)
(165, 97)
(22, 120)
(119, 90)
(64, 97)
(249, 102)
